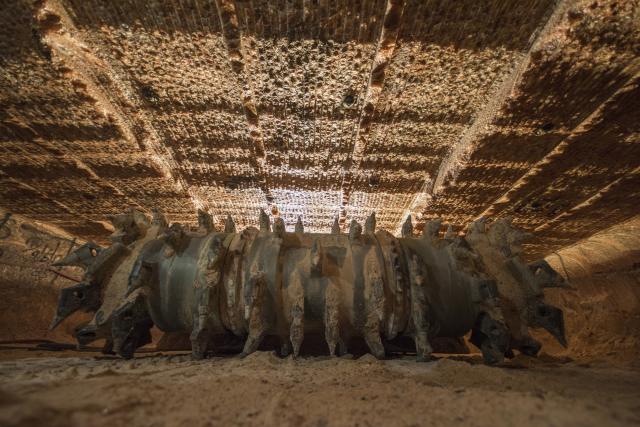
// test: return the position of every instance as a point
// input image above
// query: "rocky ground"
(156, 389)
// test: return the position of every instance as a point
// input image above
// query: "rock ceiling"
(323, 108)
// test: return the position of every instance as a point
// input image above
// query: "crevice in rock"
(385, 47)
(93, 77)
(233, 41)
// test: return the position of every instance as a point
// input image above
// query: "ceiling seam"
(51, 39)
(385, 47)
(233, 41)
(457, 156)
(68, 48)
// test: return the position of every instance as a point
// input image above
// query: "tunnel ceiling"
(323, 109)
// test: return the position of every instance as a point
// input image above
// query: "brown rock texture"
(29, 286)
(322, 109)
(563, 145)
(602, 311)
(325, 109)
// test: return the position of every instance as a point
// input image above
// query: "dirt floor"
(155, 390)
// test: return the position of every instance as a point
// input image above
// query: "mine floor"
(157, 390)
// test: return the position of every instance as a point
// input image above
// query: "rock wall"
(28, 287)
(327, 108)
(602, 312)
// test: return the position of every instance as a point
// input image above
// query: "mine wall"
(602, 311)
(29, 287)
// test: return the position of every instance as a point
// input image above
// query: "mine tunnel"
(320, 212)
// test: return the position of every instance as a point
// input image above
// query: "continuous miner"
(270, 282)
(320, 213)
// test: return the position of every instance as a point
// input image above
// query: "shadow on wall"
(602, 313)
(28, 288)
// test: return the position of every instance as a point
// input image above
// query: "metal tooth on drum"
(267, 282)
